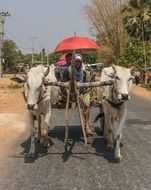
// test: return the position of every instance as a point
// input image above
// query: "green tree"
(137, 22)
(106, 24)
(133, 54)
(10, 54)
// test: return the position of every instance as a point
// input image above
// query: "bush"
(147, 86)
(15, 86)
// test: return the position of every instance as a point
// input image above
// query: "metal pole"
(42, 55)
(47, 59)
(2, 21)
(32, 41)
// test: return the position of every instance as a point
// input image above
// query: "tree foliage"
(107, 25)
(10, 54)
(137, 21)
(133, 54)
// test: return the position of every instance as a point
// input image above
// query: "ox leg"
(108, 132)
(110, 140)
(118, 155)
(86, 114)
(45, 138)
(32, 134)
(106, 127)
(102, 120)
(39, 128)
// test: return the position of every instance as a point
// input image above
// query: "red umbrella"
(77, 43)
(63, 57)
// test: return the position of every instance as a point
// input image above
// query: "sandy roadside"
(139, 91)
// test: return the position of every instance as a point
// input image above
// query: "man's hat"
(78, 57)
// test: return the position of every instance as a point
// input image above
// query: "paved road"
(81, 167)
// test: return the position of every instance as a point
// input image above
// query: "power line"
(19, 28)
(16, 38)
(17, 44)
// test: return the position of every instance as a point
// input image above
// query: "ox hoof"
(118, 158)
(110, 147)
(44, 141)
(88, 132)
(45, 144)
(30, 155)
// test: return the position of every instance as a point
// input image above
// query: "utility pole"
(32, 41)
(47, 59)
(42, 55)
(2, 21)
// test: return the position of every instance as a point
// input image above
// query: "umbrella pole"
(66, 118)
(70, 97)
(81, 117)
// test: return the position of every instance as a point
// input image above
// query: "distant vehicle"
(17, 69)
(95, 66)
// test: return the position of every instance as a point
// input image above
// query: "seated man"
(62, 71)
(78, 68)
(79, 77)
(62, 74)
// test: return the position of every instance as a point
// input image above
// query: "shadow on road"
(101, 150)
(39, 152)
(56, 135)
(75, 135)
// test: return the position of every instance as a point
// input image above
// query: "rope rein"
(114, 103)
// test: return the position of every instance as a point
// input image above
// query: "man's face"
(68, 58)
(77, 63)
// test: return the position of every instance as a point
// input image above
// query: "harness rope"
(111, 101)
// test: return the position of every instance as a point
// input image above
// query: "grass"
(147, 86)
(14, 86)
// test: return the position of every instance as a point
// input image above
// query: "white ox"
(39, 100)
(114, 101)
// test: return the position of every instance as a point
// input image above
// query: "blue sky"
(49, 20)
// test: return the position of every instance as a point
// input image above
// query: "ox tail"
(98, 117)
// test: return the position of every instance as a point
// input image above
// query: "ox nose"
(30, 106)
(125, 96)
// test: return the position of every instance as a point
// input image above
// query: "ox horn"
(131, 68)
(47, 71)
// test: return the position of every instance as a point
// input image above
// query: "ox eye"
(117, 78)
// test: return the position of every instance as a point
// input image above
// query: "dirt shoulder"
(140, 91)
(12, 115)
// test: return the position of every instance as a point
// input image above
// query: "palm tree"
(137, 21)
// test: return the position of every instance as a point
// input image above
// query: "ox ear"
(19, 79)
(47, 71)
(111, 74)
